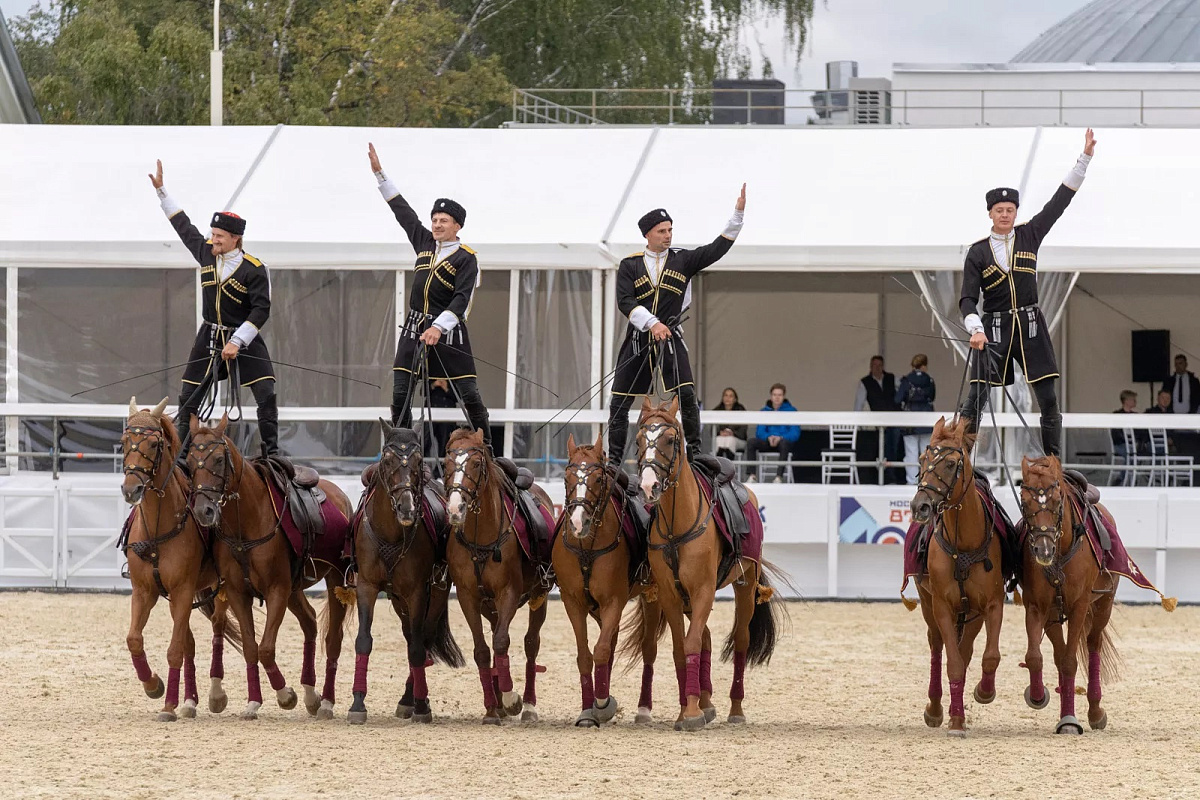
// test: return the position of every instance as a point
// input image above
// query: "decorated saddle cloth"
(737, 544)
(918, 539)
(329, 543)
(534, 533)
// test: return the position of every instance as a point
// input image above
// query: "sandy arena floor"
(837, 714)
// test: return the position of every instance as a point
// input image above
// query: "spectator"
(730, 438)
(916, 392)
(1184, 388)
(1141, 436)
(774, 438)
(1163, 406)
(877, 390)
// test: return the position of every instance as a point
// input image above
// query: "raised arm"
(418, 235)
(709, 254)
(1044, 220)
(192, 238)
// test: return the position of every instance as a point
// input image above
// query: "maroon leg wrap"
(420, 686)
(172, 687)
(956, 699)
(275, 677)
(692, 686)
(142, 666)
(602, 675)
(1037, 688)
(1066, 698)
(253, 685)
(706, 671)
(987, 683)
(308, 672)
(935, 675)
(360, 673)
(503, 674)
(646, 698)
(1094, 677)
(489, 691)
(189, 681)
(328, 690)
(217, 670)
(589, 694)
(737, 690)
(530, 696)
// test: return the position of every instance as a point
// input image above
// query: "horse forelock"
(401, 437)
(144, 419)
(1047, 468)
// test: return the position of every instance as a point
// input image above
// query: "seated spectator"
(1164, 405)
(774, 438)
(916, 392)
(730, 438)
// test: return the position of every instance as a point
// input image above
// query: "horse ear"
(386, 427)
(1024, 462)
(674, 407)
(571, 448)
(599, 445)
(223, 424)
(940, 426)
(647, 406)
(158, 409)
(133, 409)
(477, 435)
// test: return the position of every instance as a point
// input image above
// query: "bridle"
(218, 449)
(455, 470)
(648, 453)
(403, 456)
(158, 448)
(1041, 496)
(944, 489)
(593, 505)
(457, 461)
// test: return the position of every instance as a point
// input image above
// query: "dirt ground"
(837, 714)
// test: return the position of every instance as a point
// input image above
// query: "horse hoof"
(423, 719)
(934, 720)
(982, 698)
(710, 713)
(217, 703)
(511, 702)
(529, 714)
(312, 701)
(356, 717)
(166, 716)
(1069, 724)
(403, 711)
(736, 719)
(693, 723)
(492, 721)
(587, 719)
(158, 690)
(958, 727)
(324, 710)
(956, 734)
(1099, 724)
(644, 716)
(188, 709)
(1034, 704)
(287, 699)
(606, 712)
(251, 711)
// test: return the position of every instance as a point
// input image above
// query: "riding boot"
(689, 412)
(268, 425)
(618, 430)
(1052, 434)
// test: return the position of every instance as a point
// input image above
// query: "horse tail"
(208, 607)
(323, 616)
(439, 640)
(769, 618)
(1110, 658)
(639, 626)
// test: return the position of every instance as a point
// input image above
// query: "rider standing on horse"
(653, 291)
(1004, 268)
(447, 275)
(236, 304)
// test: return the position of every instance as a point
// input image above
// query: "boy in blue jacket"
(774, 438)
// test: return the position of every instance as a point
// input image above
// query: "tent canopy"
(819, 199)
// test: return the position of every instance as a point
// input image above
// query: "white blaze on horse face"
(580, 494)
(454, 503)
(649, 479)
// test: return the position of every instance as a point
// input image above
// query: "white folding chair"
(837, 461)
(1168, 470)
(768, 472)
(1134, 460)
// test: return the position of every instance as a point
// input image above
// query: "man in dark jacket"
(877, 391)
(1184, 388)
(774, 438)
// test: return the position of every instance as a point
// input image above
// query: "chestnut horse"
(685, 555)
(394, 551)
(963, 589)
(593, 564)
(255, 559)
(1063, 585)
(491, 573)
(171, 561)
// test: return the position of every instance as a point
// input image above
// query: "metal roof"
(1149, 31)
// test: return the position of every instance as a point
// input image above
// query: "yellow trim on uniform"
(1030, 270)
(638, 254)
(247, 257)
(462, 246)
(258, 380)
(435, 377)
(1035, 380)
(176, 214)
(1026, 255)
(193, 383)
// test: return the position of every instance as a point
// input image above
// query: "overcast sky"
(879, 33)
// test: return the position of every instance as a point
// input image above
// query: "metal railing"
(1009, 107)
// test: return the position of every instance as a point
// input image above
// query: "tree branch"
(354, 67)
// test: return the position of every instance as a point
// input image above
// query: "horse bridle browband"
(461, 457)
(942, 493)
(146, 476)
(404, 453)
(593, 507)
(221, 491)
(665, 474)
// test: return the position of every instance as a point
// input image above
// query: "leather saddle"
(304, 497)
(526, 503)
(1088, 496)
(728, 491)
(636, 508)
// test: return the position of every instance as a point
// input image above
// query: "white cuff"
(642, 319)
(244, 335)
(446, 321)
(735, 225)
(1075, 177)
(973, 324)
(381, 176)
(169, 206)
(387, 188)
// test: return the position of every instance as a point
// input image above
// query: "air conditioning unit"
(870, 101)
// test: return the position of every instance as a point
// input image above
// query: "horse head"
(466, 470)
(588, 486)
(148, 442)
(210, 456)
(401, 472)
(945, 470)
(660, 448)
(1042, 506)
